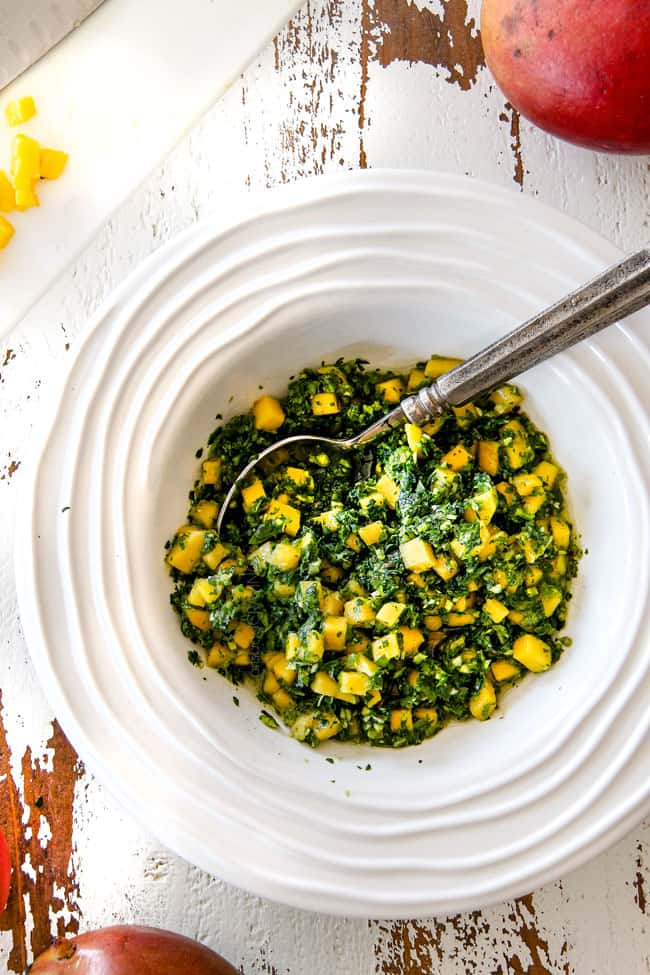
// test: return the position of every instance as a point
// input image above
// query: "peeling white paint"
(44, 832)
(270, 127)
(28, 869)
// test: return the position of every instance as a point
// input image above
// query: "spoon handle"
(609, 297)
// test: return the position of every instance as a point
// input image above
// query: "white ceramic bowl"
(393, 267)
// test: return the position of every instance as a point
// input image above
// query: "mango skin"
(126, 950)
(580, 69)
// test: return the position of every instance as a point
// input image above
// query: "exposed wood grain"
(508, 942)
(449, 40)
(36, 815)
(348, 82)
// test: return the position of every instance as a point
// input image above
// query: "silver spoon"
(620, 291)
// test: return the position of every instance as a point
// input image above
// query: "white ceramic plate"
(392, 266)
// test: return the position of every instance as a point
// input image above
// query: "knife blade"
(29, 29)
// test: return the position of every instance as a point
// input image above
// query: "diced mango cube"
(484, 505)
(330, 603)
(20, 110)
(416, 378)
(505, 399)
(6, 232)
(200, 618)
(414, 438)
(412, 639)
(331, 573)
(186, 550)
(335, 632)
(329, 519)
(507, 492)
(445, 566)
(488, 457)
(325, 404)
(559, 565)
(532, 575)
(353, 543)
(458, 457)
(417, 555)
(285, 512)
(26, 199)
(285, 556)
(433, 426)
(526, 484)
(371, 533)
(211, 471)
(389, 613)
(268, 414)
(561, 533)
(25, 158)
(374, 498)
(326, 726)
(547, 473)
(516, 447)
(483, 704)
(504, 670)
(244, 635)
(351, 682)
(387, 647)
(391, 391)
(292, 646)
(282, 700)
(433, 623)
(466, 414)
(532, 652)
(215, 556)
(438, 365)
(460, 619)
(270, 684)
(429, 715)
(283, 590)
(359, 612)
(282, 670)
(252, 493)
(495, 610)
(533, 503)
(387, 487)
(358, 661)
(202, 593)
(551, 599)
(7, 194)
(220, 656)
(52, 163)
(401, 719)
(328, 687)
(205, 512)
(300, 477)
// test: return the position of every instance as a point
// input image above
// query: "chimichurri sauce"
(374, 596)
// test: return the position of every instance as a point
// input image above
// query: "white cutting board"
(117, 94)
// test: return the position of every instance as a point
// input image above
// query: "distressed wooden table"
(348, 83)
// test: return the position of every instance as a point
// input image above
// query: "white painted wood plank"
(295, 113)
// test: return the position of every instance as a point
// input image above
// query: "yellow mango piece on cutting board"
(20, 110)
(7, 194)
(6, 232)
(52, 163)
(25, 157)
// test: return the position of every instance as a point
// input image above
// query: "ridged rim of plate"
(578, 791)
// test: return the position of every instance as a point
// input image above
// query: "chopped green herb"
(268, 720)
(378, 595)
